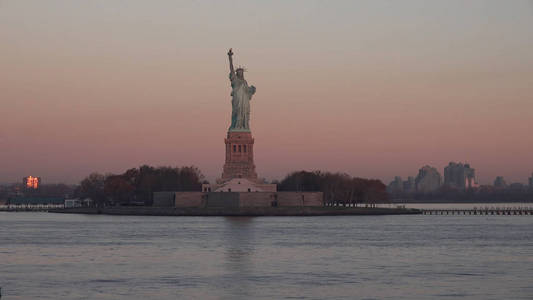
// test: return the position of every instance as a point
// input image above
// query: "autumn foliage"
(137, 185)
(338, 188)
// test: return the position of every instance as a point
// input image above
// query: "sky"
(374, 89)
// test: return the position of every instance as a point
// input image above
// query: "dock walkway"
(508, 211)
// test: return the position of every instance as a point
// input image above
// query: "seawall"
(248, 211)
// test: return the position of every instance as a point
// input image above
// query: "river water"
(59, 256)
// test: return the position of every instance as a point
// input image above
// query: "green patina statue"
(241, 95)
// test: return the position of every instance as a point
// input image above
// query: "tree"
(93, 187)
(338, 188)
(118, 189)
(301, 181)
(139, 184)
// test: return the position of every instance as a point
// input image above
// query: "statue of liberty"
(241, 95)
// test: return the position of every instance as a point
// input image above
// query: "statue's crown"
(241, 68)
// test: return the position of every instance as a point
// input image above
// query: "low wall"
(190, 199)
(256, 199)
(164, 199)
(222, 199)
(248, 211)
(300, 199)
(238, 199)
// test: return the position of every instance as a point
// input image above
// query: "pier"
(507, 211)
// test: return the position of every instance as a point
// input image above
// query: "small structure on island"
(239, 185)
(71, 203)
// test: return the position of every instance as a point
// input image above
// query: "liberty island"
(240, 191)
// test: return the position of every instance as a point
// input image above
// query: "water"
(56, 256)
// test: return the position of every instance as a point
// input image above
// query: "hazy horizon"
(375, 89)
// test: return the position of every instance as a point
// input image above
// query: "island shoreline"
(244, 212)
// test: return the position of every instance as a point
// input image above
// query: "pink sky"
(373, 89)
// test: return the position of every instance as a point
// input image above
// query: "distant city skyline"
(526, 180)
(376, 89)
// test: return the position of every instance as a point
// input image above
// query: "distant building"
(409, 186)
(499, 182)
(398, 186)
(531, 181)
(428, 179)
(70, 203)
(36, 201)
(395, 186)
(31, 182)
(460, 176)
(517, 186)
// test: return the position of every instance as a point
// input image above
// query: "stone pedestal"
(239, 156)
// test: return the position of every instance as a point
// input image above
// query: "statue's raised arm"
(231, 69)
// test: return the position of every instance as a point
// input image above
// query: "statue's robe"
(240, 103)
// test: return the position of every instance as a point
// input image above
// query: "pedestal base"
(239, 157)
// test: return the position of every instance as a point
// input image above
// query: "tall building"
(531, 181)
(396, 186)
(31, 183)
(399, 186)
(499, 182)
(409, 185)
(428, 179)
(460, 176)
